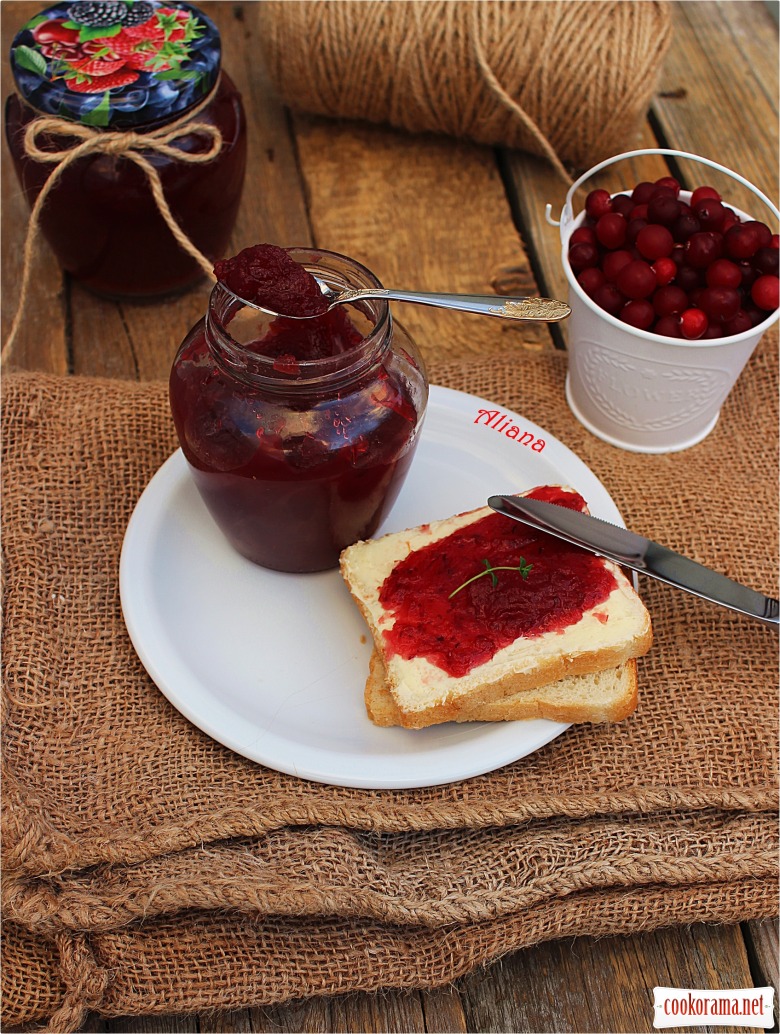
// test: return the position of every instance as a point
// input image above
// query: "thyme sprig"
(523, 568)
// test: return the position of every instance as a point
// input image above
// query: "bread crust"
(570, 700)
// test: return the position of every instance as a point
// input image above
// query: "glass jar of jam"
(298, 432)
(135, 81)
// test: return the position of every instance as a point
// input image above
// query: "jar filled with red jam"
(298, 432)
(135, 79)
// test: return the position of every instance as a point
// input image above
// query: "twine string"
(569, 81)
(490, 79)
(129, 145)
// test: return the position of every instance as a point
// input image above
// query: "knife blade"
(639, 553)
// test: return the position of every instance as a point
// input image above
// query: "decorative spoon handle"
(547, 310)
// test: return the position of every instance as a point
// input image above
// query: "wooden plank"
(443, 1011)
(390, 1012)
(586, 985)
(302, 1015)
(762, 940)
(422, 212)
(167, 1024)
(718, 93)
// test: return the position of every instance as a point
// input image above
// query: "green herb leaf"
(522, 568)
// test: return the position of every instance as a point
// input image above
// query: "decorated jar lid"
(118, 64)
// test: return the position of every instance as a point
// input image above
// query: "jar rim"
(332, 267)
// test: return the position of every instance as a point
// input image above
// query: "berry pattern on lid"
(117, 64)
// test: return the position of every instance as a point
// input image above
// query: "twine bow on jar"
(86, 141)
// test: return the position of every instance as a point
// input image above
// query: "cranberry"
(670, 182)
(633, 228)
(663, 208)
(669, 326)
(731, 219)
(654, 242)
(723, 273)
(741, 241)
(636, 279)
(685, 226)
(583, 255)
(763, 231)
(755, 314)
(665, 270)
(765, 260)
(613, 262)
(669, 299)
(748, 274)
(609, 298)
(598, 203)
(693, 323)
(720, 303)
(704, 192)
(590, 279)
(738, 324)
(710, 214)
(703, 248)
(583, 235)
(611, 230)
(642, 192)
(714, 329)
(623, 204)
(638, 313)
(638, 212)
(688, 278)
(765, 292)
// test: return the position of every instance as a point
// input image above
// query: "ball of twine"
(565, 79)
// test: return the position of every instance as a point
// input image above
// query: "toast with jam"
(476, 609)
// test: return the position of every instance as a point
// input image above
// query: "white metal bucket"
(637, 390)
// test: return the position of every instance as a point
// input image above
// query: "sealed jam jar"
(117, 98)
(298, 432)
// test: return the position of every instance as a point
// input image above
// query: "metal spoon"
(547, 310)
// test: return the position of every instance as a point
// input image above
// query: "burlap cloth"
(150, 870)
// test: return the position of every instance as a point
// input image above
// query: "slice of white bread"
(606, 636)
(603, 696)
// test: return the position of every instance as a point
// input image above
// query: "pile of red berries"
(690, 269)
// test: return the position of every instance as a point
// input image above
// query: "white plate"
(273, 665)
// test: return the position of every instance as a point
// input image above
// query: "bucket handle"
(567, 212)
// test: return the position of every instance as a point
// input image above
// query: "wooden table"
(443, 215)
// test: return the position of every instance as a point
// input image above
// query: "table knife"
(640, 554)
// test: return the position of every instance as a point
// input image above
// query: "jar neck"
(246, 363)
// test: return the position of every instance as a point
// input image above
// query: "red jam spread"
(269, 276)
(459, 632)
(296, 473)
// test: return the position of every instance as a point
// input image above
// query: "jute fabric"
(569, 80)
(147, 869)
